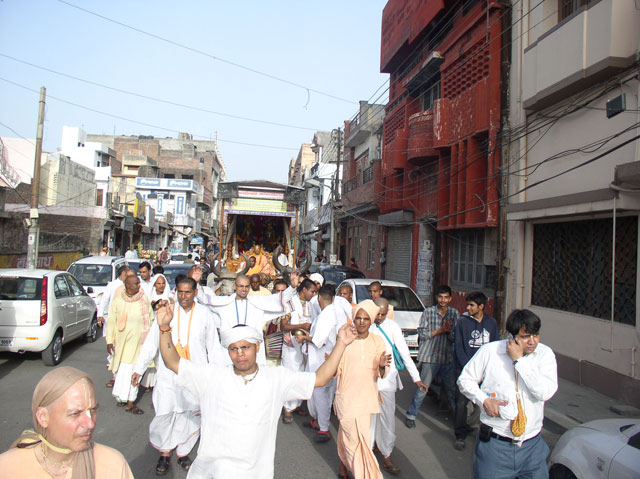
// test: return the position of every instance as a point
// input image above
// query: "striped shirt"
(438, 349)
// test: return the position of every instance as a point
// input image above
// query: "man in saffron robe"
(129, 321)
(357, 398)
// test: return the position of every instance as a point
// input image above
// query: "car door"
(85, 306)
(65, 306)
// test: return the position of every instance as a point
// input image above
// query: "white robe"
(177, 421)
(239, 421)
(324, 333)
(292, 357)
(383, 425)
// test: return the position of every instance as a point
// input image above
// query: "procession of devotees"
(226, 370)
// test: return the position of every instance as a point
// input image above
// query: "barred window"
(467, 258)
(572, 267)
(567, 7)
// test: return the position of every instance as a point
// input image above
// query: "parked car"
(335, 274)
(171, 271)
(605, 448)
(178, 258)
(94, 272)
(407, 306)
(41, 310)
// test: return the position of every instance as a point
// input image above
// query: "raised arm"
(167, 349)
(346, 335)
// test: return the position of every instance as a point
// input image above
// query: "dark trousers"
(460, 426)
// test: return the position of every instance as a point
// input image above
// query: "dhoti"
(383, 425)
(177, 430)
(354, 449)
(320, 404)
(123, 390)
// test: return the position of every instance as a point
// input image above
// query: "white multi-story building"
(572, 160)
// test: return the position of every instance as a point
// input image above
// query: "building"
(178, 158)
(66, 183)
(361, 237)
(574, 186)
(438, 188)
(299, 165)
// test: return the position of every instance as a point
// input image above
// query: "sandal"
(301, 412)
(163, 466)
(185, 462)
(391, 468)
(110, 384)
(287, 418)
(121, 403)
(312, 424)
(134, 410)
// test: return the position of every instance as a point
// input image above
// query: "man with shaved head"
(383, 425)
(129, 321)
(65, 410)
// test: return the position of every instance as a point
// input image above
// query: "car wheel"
(558, 471)
(53, 354)
(92, 334)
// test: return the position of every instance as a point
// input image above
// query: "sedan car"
(40, 310)
(605, 448)
(407, 306)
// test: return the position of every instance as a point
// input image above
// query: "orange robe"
(356, 401)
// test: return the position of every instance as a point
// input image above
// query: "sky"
(203, 54)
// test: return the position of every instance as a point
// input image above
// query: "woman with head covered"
(357, 397)
(240, 403)
(64, 409)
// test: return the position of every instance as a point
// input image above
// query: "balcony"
(595, 43)
(368, 119)
(420, 144)
(395, 152)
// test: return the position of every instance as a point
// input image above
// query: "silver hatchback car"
(40, 310)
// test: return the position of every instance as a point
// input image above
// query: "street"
(426, 451)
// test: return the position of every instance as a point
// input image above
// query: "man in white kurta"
(241, 403)
(383, 426)
(319, 344)
(254, 311)
(176, 424)
(292, 356)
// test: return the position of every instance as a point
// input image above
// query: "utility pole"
(34, 229)
(336, 197)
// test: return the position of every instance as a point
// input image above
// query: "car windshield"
(92, 274)
(337, 276)
(20, 289)
(178, 257)
(401, 298)
(171, 271)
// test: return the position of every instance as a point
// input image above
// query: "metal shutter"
(398, 267)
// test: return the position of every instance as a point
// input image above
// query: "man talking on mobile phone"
(511, 379)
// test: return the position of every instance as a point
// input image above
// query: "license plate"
(412, 344)
(6, 341)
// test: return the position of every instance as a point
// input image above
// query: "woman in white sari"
(159, 291)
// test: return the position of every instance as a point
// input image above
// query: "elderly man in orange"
(64, 409)
(357, 398)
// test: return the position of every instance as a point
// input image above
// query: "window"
(467, 258)
(357, 244)
(430, 95)
(567, 7)
(17, 288)
(572, 267)
(99, 194)
(371, 246)
(76, 287)
(61, 288)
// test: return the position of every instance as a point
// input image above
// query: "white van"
(94, 272)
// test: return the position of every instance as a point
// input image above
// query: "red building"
(438, 191)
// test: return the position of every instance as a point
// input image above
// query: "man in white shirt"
(499, 375)
(176, 424)
(319, 343)
(144, 269)
(383, 425)
(241, 403)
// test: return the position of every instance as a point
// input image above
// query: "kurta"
(110, 464)
(239, 421)
(127, 342)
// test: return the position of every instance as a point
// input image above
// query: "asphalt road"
(426, 451)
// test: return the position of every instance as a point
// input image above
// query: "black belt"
(509, 439)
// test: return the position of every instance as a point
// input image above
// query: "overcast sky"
(332, 47)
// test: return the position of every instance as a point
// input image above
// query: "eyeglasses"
(239, 349)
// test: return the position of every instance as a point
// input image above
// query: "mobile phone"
(485, 432)
(512, 337)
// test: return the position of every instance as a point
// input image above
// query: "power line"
(143, 123)
(209, 55)
(160, 100)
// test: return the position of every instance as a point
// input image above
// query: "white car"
(40, 310)
(94, 272)
(606, 448)
(407, 306)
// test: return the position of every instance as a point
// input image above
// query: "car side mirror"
(89, 290)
